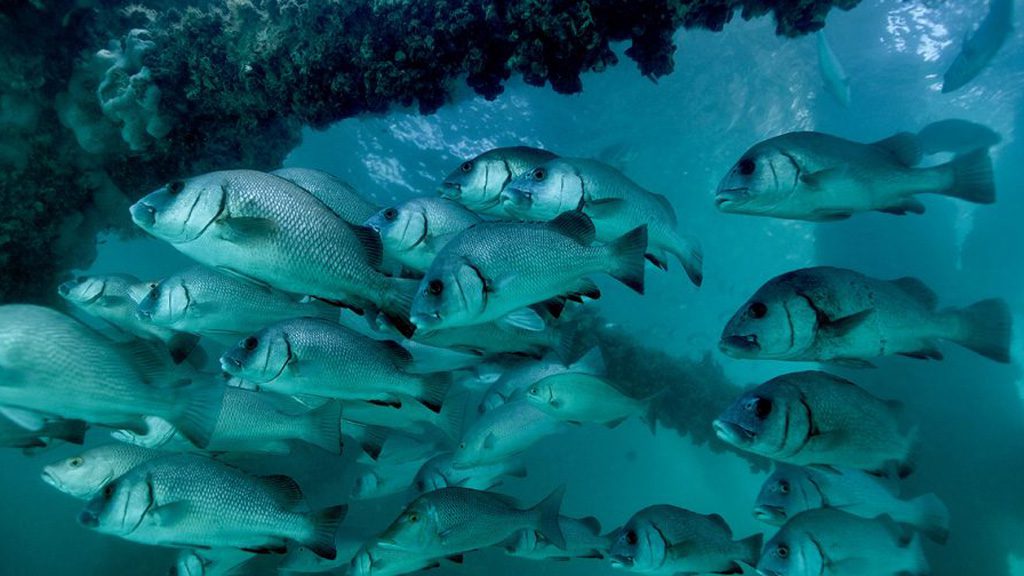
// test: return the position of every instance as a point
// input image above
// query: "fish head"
(362, 563)
(758, 421)
(120, 506)
(785, 493)
(82, 475)
(261, 357)
(167, 303)
(401, 228)
(777, 322)
(477, 183)
(83, 290)
(791, 553)
(543, 395)
(452, 294)
(181, 210)
(544, 191)
(639, 546)
(366, 485)
(415, 530)
(762, 180)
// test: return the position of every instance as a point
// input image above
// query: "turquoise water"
(679, 137)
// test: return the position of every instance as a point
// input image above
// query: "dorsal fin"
(917, 290)
(904, 147)
(721, 523)
(399, 355)
(575, 225)
(370, 241)
(667, 206)
(592, 524)
(283, 489)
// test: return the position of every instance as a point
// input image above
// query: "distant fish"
(503, 432)
(837, 83)
(340, 196)
(385, 480)
(827, 314)
(956, 136)
(478, 182)
(85, 474)
(514, 379)
(979, 48)
(302, 560)
(581, 398)
(13, 435)
(218, 562)
(414, 231)
(441, 472)
(819, 177)
(373, 559)
(583, 539)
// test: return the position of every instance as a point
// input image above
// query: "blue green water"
(678, 137)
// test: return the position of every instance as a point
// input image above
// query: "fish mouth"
(450, 190)
(50, 479)
(725, 198)
(230, 364)
(621, 561)
(389, 544)
(770, 514)
(425, 321)
(745, 346)
(516, 200)
(143, 214)
(733, 433)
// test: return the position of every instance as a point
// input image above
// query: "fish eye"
(746, 166)
(466, 166)
(414, 517)
(539, 173)
(462, 445)
(108, 490)
(390, 214)
(76, 462)
(534, 391)
(784, 487)
(782, 551)
(250, 343)
(174, 188)
(435, 287)
(631, 537)
(761, 407)
(757, 310)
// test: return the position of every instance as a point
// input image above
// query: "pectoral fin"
(170, 514)
(524, 318)
(604, 208)
(842, 326)
(243, 230)
(826, 177)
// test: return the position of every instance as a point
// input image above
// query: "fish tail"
(198, 419)
(945, 134)
(181, 345)
(398, 303)
(985, 327)
(687, 250)
(548, 511)
(627, 258)
(434, 390)
(452, 417)
(323, 427)
(749, 549)
(931, 517)
(72, 431)
(325, 527)
(972, 178)
(917, 564)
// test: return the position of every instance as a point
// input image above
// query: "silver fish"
(837, 83)
(85, 474)
(505, 431)
(302, 560)
(956, 136)
(979, 48)
(218, 562)
(830, 542)
(413, 232)
(836, 315)
(385, 480)
(268, 230)
(513, 380)
(13, 435)
(441, 472)
(817, 418)
(373, 559)
(496, 269)
(52, 365)
(478, 182)
(340, 196)
(195, 502)
(583, 539)
(579, 397)
(256, 422)
(613, 202)
(819, 177)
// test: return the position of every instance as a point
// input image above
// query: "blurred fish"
(664, 539)
(835, 315)
(817, 418)
(385, 480)
(159, 434)
(85, 474)
(615, 203)
(322, 358)
(578, 397)
(794, 489)
(413, 418)
(503, 432)
(495, 269)
(830, 542)
(217, 562)
(495, 338)
(979, 48)
(373, 559)
(820, 177)
(512, 381)
(203, 301)
(583, 539)
(52, 365)
(302, 560)
(195, 502)
(13, 435)
(441, 472)
(478, 183)
(415, 231)
(956, 136)
(114, 298)
(455, 520)
(340, 196)
(837, 83)
(270, 231)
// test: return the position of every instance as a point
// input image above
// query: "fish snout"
(49, 478)
(143, 214)
(725, 198)
(230, 363)
(451, 190)
(770, 514)
(739, 346)
(516, 199)
(425, 321)
(732, 433)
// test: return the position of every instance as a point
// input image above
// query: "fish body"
(830, 542)
(413, 232)
(13, 435)
(340, 196)
(956, 136)
(256, 422)
(385, 480)
(496, 268)
(373, 559)
(85, 474)
(816, 418)
(668, 540)
(219, 562)
(513, 380)
(979, 48)
(441, 472)
(583, 539)
(819, 177)
(837, 83)
(836, 315)
(613, 202)
(479, 182)
(578, 397)
(503, 432)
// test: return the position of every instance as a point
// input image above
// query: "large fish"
(85, 474)
(794, 489)
(836, 315)
(340, 196)
(441, 472)
(503, 432)
(322, 358)
(817, 418)
(830, 542)
(413, 232)
(615, 203)
(583, 539)
(668, 540)
(979, 48)
(268, 230)
(837, 83)
(495, 269)
(478, 183)
(819, 177)
(191, 501)
(52, 365)
(114, 299)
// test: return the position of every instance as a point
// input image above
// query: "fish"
(412, 418)
(837, 83)
(218, 562)
(85, 474)
(158, 434)
(814, 417)
(611, 200)
(956, 136)
(819, 177)
(454, 520)
(200, 300)
(830, 542)
(114, 298)
(302, 560)
(503, 432)
(341, 197)
(578, 397)
(496, 338)
(414, 231)
(189, 501)
(385, 480)
(513, 380)
(583, 539)
(13, 435)
(664, 539)
(272, 232)
(441, 472)
(794, 489)
(980, 47)
(373, 559)
(496, 269)
(841, 316)
(322, 358)
(52, 365)
(479, 182)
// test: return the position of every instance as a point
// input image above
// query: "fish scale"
(340, 196)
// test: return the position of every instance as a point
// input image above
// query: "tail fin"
(398, 303)
(931, 517)
(548, 511)
(687, 250)
(452, 418)
(325, 528)
(572, 342)
(72, 431)
(323, 428)
(985, 328)
(972, 178)
(435, 388)
(916, 563)
(627, 258)
(181, 345)
(202, 409)
(750, 549)
(955, 135)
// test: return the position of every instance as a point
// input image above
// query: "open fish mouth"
(621, 561)
(740, 346)
(733, 433)
(450, 190)
(770, 514)
(51, 480)
(729, 196)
